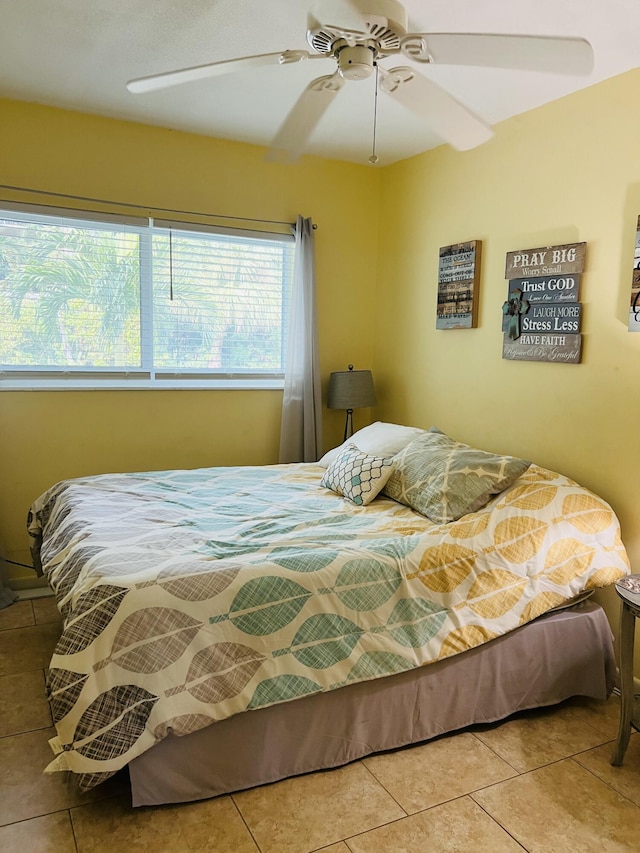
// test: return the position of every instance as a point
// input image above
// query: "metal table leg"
(627, 633)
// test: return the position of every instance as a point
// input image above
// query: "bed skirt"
(563, 654)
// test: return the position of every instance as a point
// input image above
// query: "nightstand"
(629, 591)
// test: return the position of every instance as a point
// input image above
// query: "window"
(93, 302)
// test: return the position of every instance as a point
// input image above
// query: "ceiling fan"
(373, 30)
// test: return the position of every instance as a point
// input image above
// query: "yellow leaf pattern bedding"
(190, 596)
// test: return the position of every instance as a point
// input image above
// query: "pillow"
(379, 439)
(444, 479)
(357, 475)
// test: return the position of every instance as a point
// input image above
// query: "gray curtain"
(301, 431)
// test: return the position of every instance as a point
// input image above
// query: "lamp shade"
(351, 389)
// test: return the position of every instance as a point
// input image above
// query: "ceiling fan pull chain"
(374, 157)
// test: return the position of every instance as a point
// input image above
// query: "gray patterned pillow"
(357, 475)
(444, 479)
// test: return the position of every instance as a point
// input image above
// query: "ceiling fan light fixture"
(357, 62)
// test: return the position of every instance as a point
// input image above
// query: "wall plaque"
(528, 347)
(564, 288)
(549, 260)
(634, 310)
(542, 317)
(458, 284)
(552, 317)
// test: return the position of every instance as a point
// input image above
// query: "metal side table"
(629, 591)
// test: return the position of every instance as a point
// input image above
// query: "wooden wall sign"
(634, 310)
(562, 288)
(528, 347)
(542, 317)
(552, 318)
(458, 285)
(551, 260)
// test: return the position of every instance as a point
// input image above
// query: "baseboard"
(36, 592)
(24, 584)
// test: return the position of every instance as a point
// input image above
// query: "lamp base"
(348, 425)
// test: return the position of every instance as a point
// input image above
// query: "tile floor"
(539, 782)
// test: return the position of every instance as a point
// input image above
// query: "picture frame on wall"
(542, 317)
(458, 285)
(634, 308)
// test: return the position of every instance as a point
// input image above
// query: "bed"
(227, 627)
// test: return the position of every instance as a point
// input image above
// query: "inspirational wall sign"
(542, 318)
(458, 283)
(634, 309)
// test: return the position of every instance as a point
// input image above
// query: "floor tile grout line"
(406, 816)
(469, 793)
(50, 724)
(23, 671)
(584, 719)
(26, 732)
(99, 800)
(27, 671)
(553, 760)
(39, 816)
(21, 627)
(73, 830)
(600, 779)
(40, 669)
(496, 821)
(384, 788)
(497, 754)
(520, 775)
(7, 609)
(242, 818)
(468, 796)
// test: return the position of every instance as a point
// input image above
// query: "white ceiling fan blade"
(291, 139)
(447, 116)
(556, 55)
(214, 69)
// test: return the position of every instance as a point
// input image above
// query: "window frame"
(147, 376)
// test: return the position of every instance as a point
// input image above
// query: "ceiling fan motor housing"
(382, 23)
(356, 63)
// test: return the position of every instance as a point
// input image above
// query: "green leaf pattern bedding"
(190, 596)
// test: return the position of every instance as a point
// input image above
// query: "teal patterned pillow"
(358, 475)
(444, 479)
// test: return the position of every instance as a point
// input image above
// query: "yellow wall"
(566, 172)
(48, 436)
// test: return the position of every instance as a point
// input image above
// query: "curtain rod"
(145, 207)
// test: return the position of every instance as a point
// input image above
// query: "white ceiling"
(79, 54)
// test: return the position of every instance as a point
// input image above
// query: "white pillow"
(378, 439)
(357, 475)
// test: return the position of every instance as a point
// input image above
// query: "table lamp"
(350, 389)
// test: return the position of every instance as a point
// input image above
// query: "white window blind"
(90, 301)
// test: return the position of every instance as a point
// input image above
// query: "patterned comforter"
(189, 596)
